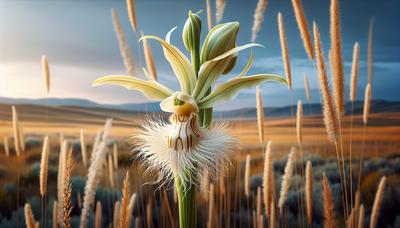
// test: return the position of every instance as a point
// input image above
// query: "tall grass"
(370, 37)
(303, 27)
(219, 12)
(258, 18)
(284, 50)
(377, 202)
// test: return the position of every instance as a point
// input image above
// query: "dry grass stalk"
(354, 72)
(115, 155)
(44, 165)
(299, 122)
(148, 55)
(260, 115)
(258, 203)
(219, 12)
(17, 139)
(83, 149)
(60, 180)
(303, 27)
(137, 222)
(130, 4)
(46, 73)
(268, 179)
(370, 34)
(211, 208)
(69, 164)
(247, 176)
(117, 214)
(286, 179)
(284, 49)
(6, 146)
(21, 136)
(110, 171)
(258, 18)
(307, 85)
(131, 206)
(350, 220)
(125, 202)
(360, 222)
(272, 217)
(367, 103)
(221, 181)
(209, 15)
(329, 217)
(123, 44)
(94, 174)
(336, 57)
(309, 192)
(330, 118)
(98, 219)
(95, 144)
(55, 214)
(29, 219)
(205, 184)
(149, 213)
(377, 202)
(260, 221)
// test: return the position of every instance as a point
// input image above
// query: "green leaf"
(248, 65)
(179, 62)
(149, 88)
(211, 70)
(231, 88)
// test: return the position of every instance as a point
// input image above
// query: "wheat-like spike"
(131, 206)
(17, 143)
(336, 60)
(309, 192)
(367, 103)
(124, 47)
(69, 164)
(268, 179)
(94, 174)
(83, 149)
(111, 171)
(303, 27)
(284, 49)
(130, 5)
(211, 209)
(46, 72)
(125, 202)
(286, 179)
(258, 203)
(6, 146)
(148, 55)
(307, 85)
(115, 155)
(299, 122)
(44, 165)
(328, 203)
(55, 214)
(205, 184)
(330, 118)
(99, 211)
(95, 144)
(219, 12)
(21, 136)
(272, 216)
(60, 180)
(209, 15)
(361, 217)
(247, 176)
(117, 213)
(29, 219)
(377, 202)
(370, 36)
(354, 72)
(260, 115)
(258, 18)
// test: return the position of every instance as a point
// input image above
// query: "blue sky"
(79, 40)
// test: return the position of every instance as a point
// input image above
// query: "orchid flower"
(189, 143)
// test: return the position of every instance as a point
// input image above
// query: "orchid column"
(190, 142)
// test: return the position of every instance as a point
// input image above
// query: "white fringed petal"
(212, 150)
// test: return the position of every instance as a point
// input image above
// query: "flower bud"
(219, 40)
(191, 32)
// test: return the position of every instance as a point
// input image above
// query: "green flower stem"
(187, 202)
